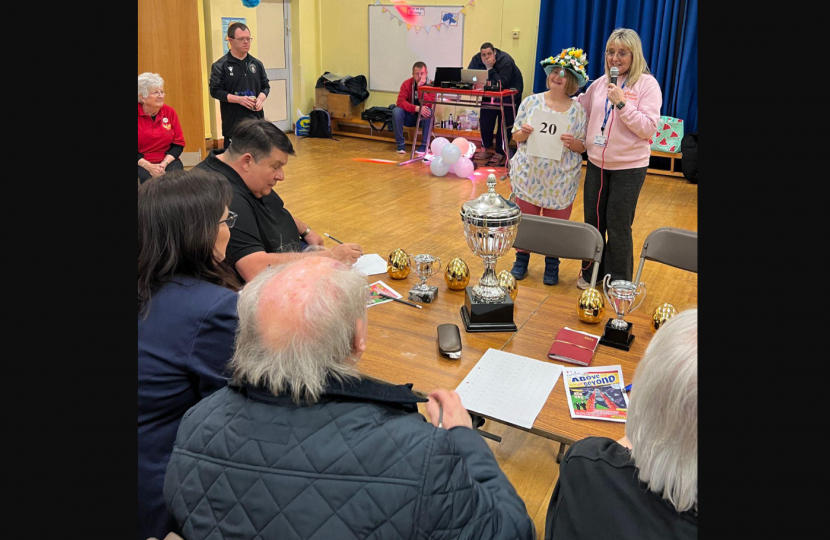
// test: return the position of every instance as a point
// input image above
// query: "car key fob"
(449, 340)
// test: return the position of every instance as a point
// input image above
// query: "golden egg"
(663, 313)
(457, 275)
(397, 265)
(509, 284)
(590, 307)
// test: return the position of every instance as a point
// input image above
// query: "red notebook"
(573, 347)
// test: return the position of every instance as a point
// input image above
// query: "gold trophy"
(457, 275)
(663, 313)
(509, 284)
(590, 307)
(397, 265)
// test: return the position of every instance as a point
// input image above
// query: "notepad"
(508, 387)
(370, 264)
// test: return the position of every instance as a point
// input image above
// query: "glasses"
(157, 93)
(244, 39)
(620, 54)
(231, 219)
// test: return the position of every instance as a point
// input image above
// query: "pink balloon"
(463, 168)
(462, 143)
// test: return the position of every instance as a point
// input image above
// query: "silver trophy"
(424, 266)
(490, 226)
(621, 295)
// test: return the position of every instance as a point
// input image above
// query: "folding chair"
(564, 239)
(673, 247)
(560, 238)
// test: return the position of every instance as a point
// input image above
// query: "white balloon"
(438, 167)
(450, 153)
(437, 145)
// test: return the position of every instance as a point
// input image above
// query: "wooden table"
(403, 348)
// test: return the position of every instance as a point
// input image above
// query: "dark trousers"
(491, 118)
(144, 174)
(617, 203)
(401, 119)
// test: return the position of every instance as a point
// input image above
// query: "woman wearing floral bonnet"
(545, 186)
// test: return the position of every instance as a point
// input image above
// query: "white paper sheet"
(545, 140)
(508, 387)
(370, 264)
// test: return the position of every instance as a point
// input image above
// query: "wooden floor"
(384, 207)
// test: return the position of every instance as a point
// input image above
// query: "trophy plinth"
(619, 339)
(426, 294)
(487, 316)
(490, 225)
(621, 295)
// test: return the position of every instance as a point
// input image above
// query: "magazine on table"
(596, 393)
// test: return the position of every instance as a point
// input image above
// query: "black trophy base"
(479, 317)
(619, 339)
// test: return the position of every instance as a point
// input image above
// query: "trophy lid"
(491, 207)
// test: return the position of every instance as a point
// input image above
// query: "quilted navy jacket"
(359, 463)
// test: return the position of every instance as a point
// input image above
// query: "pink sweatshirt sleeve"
(643, 119)
(584, 99)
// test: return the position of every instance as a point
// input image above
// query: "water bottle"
(450, 123)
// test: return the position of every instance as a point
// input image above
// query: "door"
(165, 26)
(273, 29)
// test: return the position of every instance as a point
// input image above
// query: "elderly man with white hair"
(160, 137)
(644, 485)
(300, 446)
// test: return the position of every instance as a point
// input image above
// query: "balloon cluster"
(452, 157)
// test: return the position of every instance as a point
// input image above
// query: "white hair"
(148, 80)
(662, 417)
(304, 360)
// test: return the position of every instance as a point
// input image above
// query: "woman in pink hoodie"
(621, 119)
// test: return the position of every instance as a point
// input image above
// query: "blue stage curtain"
(667, 28)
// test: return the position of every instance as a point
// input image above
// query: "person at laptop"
(408, 108)
(501, 68)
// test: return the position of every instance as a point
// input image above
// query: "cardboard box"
(340, 106)
(321, 98)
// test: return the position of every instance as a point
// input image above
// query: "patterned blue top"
(541, 181)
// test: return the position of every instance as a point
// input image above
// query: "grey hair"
(148, 80)
(304, 361)
(662, 416)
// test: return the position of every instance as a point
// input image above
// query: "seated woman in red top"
(160, 137)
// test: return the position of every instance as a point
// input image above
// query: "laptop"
(476, 77)
(446, 74)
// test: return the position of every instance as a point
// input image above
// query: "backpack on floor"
(319, 125)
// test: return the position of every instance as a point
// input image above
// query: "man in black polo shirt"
(238, 81)
(265, 232)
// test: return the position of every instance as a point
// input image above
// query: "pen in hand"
(333, 238)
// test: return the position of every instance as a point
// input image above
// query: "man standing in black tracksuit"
(238, 81)
(502, 68)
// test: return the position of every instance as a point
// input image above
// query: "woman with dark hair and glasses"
(186, 319)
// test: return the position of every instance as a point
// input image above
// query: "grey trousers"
(617, 203)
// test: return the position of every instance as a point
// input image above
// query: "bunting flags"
(427, 28)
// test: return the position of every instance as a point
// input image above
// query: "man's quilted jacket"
(359, 463)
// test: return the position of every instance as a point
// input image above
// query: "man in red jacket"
(408, 108)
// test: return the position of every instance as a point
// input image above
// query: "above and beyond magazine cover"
(596, 392)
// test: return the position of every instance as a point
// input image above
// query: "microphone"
(615, 71)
